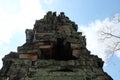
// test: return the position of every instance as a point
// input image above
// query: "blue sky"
(90, 15)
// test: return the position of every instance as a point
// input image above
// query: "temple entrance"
(63, 50)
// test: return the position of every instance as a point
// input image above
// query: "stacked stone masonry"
(53, 50)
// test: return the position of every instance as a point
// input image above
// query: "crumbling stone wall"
(53, 50)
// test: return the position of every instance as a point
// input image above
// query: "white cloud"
(28, 11)
(94, 44)
(48, 2)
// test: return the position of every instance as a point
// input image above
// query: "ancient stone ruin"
(53, 50)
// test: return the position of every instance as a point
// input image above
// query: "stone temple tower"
(53, 50)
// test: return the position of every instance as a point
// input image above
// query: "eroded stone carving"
(29, 35)
(53, 50)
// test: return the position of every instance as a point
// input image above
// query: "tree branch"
(109, 35)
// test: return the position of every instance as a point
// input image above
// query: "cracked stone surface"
(53, 50)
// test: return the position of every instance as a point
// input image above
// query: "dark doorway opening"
(63, 50)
